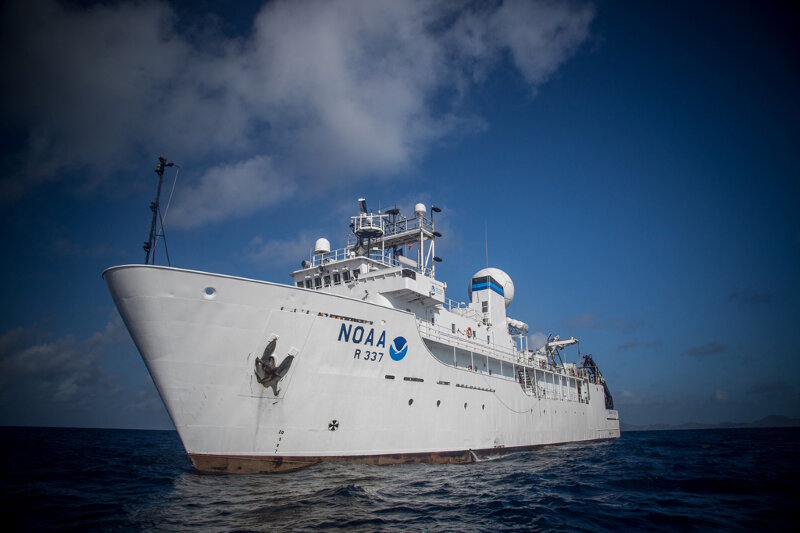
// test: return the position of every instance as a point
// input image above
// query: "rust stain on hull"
(249, 464)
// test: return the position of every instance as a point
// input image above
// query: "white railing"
(347, 253)
(452, 304)
(381, 223)
(384, 258)
(461, 309)
(445, 335)
(519, 360)
(407, 224)
(336, 255)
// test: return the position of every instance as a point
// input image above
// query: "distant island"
(771, 421)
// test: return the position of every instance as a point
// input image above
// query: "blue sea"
(103, 479)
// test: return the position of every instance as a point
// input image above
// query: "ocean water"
(84, 479)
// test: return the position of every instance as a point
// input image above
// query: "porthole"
(210, 293)
(410, 401)
(438, 403)
(483, 407)
(465, 405)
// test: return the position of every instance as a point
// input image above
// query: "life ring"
(469, 332)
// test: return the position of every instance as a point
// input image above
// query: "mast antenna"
(155, 207)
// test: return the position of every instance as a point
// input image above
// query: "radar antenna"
(158, 220)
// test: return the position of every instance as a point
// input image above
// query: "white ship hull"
(335, 402)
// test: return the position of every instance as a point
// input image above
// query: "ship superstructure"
(363, 358)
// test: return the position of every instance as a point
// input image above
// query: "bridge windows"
(337, 278)
(317, 282)
(327, 281)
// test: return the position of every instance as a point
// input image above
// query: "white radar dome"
(501, 277)
(420, 209)
(322, 246)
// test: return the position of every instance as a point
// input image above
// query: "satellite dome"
(420, 209)
(500, 277)
(322, 246)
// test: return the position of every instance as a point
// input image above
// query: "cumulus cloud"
(58, 381)
(313, 91)
(231, 190)
(55, 368)
(550, 32)
(280, 252)
(536, 340)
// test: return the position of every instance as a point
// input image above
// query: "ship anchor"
(267, 373)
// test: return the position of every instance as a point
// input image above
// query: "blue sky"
(636, 166)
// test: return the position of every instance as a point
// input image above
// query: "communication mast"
(158, 221)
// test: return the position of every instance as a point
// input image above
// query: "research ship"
(362, 358)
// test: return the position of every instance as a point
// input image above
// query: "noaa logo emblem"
(398, 348)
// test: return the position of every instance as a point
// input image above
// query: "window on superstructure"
(308, 284)
(433, 320)
(346, 276)
(299, 283)
(485, 307)
(337, 279)
(488, 339)
(317, 282)
(453, 328)
(327, 281)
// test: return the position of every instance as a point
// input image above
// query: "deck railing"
(439, 333)
(461, 309)
(382, 257)
(526, 370)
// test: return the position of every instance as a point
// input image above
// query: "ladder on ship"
(524, 379)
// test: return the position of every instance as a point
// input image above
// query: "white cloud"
(315, 90)
(231, 190)
(540, 35)
(280, 252)
(536, 340)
